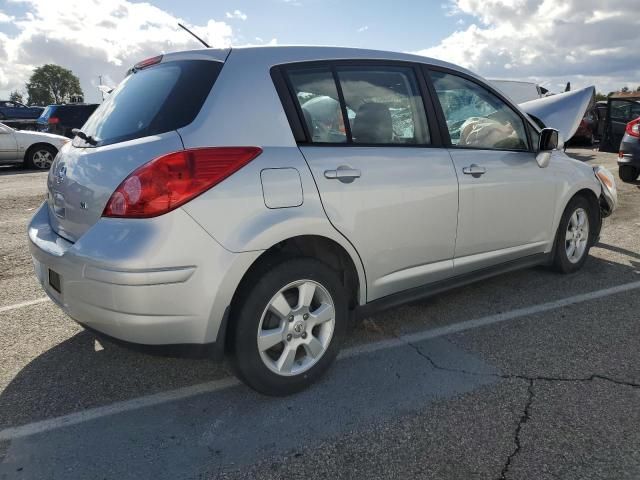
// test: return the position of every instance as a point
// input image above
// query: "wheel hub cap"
(298, 328)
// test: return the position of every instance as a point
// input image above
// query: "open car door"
(620, 111)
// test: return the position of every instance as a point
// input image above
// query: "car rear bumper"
(629, 151)
(151, 282)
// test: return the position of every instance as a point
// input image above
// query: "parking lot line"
(208, 387)
(23, 304)
(490, 319)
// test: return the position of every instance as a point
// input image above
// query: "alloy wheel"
(42, 159)
(577, 236)
(296, 328)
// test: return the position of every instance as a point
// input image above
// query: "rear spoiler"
(562, 112)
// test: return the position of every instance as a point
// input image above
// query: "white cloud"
(4, 18)
(553, 41)
(363, 29)
(236, 14)
(94, 37)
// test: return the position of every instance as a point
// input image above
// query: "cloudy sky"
(587, 42)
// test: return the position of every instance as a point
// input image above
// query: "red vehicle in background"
(585, 135)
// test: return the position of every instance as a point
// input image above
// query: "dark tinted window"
(624, 110)
(154, 100)
(74, 114)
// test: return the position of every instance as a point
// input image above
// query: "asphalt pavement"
(527, 375)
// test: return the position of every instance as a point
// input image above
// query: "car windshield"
(153, 100)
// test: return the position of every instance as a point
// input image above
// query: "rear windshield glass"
(154, 100)
(74, 113)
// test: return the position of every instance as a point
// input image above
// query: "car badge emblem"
(61, 174)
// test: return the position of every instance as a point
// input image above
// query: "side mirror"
(549, 140)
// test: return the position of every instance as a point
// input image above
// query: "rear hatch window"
(151, 101)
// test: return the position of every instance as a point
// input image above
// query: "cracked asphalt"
(549, 394)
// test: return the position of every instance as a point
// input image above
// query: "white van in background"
(518, 91)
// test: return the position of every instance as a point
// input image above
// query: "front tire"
(289, 323)
(574, 237)
(628, 173)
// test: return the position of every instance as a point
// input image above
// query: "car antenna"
(196, 36)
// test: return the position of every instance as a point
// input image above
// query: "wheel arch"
(36, 145)
(319, 247)
(591, 196)
(594, 203)
(325, 249)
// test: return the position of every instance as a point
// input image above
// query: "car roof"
(72, 105)
(279, 54)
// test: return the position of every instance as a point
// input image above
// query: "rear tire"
(574, 237)
(628, 173)
(40, 157)
(288, 325)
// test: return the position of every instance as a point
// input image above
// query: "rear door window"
(154, 100)
(387, 105)
(317, 96)
(374, 105)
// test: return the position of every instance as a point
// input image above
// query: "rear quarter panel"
(235, 215)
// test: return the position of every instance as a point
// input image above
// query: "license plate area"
(55, 281)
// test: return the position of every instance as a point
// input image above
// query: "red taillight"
(167, 182)
(633, 128)
(53, 120)
(148, 62)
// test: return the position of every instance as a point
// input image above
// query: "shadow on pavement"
(73, 376)
(237, 426)
(17, 169)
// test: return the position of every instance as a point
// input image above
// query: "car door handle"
(474, 170)
(344, 174)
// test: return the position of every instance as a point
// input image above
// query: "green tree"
(624, 89)
(52, 84)
(600, 96)
(16, 96)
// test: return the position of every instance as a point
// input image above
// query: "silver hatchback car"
(252, 201)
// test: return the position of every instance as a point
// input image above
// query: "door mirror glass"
(548, 142)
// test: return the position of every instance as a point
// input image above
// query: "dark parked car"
(621, 109)
(61, 119)
(629, 154)
(10, 110)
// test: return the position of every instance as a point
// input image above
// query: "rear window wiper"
(87, 138)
